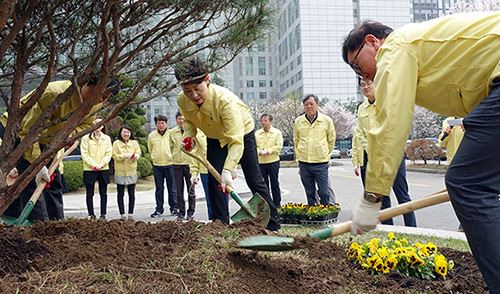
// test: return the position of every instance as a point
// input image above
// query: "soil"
(81, 256)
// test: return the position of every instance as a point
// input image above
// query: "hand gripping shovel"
(257, 208)
(276, 243)
(22, 220)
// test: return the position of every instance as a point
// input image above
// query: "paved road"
(347, 188)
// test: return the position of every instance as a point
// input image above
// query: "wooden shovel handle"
(405, 208)
(209, 166)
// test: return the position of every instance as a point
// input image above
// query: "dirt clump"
(81, 256)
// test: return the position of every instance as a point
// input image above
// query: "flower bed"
(412, 260)
(298, 213)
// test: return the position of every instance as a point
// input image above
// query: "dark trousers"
(102, 178)
(49, 205)
(312, 174)
(270, 172)
(131, 198)
(204, 181)
(162, 174)
(250, 166)
(400, 188)
(473, 183)
(181, 175)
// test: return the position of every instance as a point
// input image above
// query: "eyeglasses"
(353, 65)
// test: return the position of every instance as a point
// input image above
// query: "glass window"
(249, 84)
(249, 68)
(262, 95)
(262, 65)
(250, 96)
(297, 36)
(262, 83)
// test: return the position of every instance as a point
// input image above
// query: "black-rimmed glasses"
(352, 63)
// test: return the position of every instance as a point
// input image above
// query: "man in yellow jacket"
(451, 141)
(269, 143)
(163, 169)
(229, 127)
(181, 171)
(449, 65)
(313, 143)
(50, 204)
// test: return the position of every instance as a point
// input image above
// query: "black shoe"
(102, 217)
(189, 217)
(91, 217)
(174, 212)
(156, 214)
(179, 218)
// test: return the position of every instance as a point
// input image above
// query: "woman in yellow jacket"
(126, 152)
(96, 155)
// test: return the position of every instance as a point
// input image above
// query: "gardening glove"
(42, 174)
(187, 144)
(365, 217)
(226, 180)
(194, 179)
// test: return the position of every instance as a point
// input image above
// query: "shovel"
(22, 220)
(276, 243)
(257, 208)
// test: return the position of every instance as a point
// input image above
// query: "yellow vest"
(178, 157)
(445, 65)
(272, 142)
(223, 116)
(96, 151)
(159, 148)
(123, 165)
(45, 102)
(452, 141)
(313, 143)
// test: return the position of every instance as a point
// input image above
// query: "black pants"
(400, 188)
(162, 174)
(131, 198)
(250, 166)
(50, 204)
(181, 175)
(270, 173)
(473, 183)
(89, 178)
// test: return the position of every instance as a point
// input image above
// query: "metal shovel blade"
(7, 220)
(269, 243)
(256, 209)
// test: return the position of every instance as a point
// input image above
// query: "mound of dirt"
(81, 256)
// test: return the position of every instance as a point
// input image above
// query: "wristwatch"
(372, 197)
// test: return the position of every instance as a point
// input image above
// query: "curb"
(426, 170)
(423, 231)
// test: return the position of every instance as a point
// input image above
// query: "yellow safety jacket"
(313, 143)
(178, 157)
(96, 151)
(445, 65)
(271, 141)
(159, 148)
(452, 141)
(121, 151)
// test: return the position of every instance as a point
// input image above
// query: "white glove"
(12, 176)
(194, 179)
(43, 174)
(264, 152)
(226, 180)
(365, 217)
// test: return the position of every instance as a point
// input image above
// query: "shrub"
(423, 149)
(73, 174)
(144, 167)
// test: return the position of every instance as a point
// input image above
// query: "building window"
(262, 83)
(262, 66)
(241, 96)
(157, 110)
(262, 95)
(250, 96)
(249, 84)
(261, 47)
(270, 83)
(249, 67)
(297, 37)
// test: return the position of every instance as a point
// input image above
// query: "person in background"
(227, 122)
(269, 143)
(451, 141)
(181, 171)
(366, 111)
(126, 152)
(199, 171)
(314, 140)
(163, 169)
(96, 151)
(449, 65)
